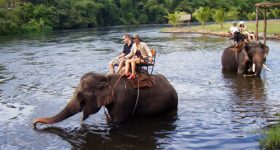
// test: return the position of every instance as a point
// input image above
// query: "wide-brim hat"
(136, 36)
(241, 22)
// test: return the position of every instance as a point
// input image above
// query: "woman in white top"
(242, 29)
(233, 28)
(140, 52)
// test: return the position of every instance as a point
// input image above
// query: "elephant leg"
(118, 114)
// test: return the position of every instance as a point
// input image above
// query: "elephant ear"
(103, 94)
(265, 48)
(239, 47)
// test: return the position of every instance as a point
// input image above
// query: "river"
(38, 74)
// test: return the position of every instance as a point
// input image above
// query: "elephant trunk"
(67, 112)
(258, 64)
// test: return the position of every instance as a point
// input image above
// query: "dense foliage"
(18, 16)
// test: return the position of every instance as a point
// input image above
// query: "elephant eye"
(81, 98)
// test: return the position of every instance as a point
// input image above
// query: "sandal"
(127, 74)
(132, 76)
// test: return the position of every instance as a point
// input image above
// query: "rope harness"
(108, 118)
(137, 99)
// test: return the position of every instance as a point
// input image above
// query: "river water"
(38, 74)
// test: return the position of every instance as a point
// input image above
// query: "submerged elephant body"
(119, 97)
(245, 58)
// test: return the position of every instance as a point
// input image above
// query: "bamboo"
(264, 28)
(257, 23)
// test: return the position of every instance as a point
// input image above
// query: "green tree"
(86, 13)
(185, 6)
(43, 15)
(127, 15)
(141, 14)
(233, 13)
(9, 21)
(202, 15)
(251, 16)
(109, 13)
(171, 4)
(47, 14)
(174, 18)
(155, 11)
(219, 15)
(275, 12)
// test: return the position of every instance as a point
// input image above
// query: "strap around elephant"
(137, 99)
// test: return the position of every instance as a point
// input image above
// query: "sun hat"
(241, 22)
(136, 36)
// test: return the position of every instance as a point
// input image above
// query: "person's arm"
(131, 52)
(121, 55)
(148, 50)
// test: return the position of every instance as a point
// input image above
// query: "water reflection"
(139, 133)
(248, 102)
(246, 88)
(215, 111)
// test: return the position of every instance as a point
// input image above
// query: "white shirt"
(233, 29)
(144, 49)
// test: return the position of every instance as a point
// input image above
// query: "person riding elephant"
(120, 98)
(245, 58)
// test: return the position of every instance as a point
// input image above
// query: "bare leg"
(111, 68)
(121, 64)
(133, 65)
(127, 63)
(249, 37)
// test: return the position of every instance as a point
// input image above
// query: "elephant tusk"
(265, 67)
(254, 67)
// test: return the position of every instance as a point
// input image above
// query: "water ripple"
(38, 75)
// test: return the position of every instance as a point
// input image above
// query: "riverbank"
(273, 31)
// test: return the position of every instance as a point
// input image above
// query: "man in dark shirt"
(120, 59)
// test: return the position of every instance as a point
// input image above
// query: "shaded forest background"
(23, 16)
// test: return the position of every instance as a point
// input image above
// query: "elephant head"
(92, 93)
(257, 53)
(249, 58)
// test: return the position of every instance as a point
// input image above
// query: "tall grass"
(272, 139)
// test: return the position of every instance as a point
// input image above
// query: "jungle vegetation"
(23, 16)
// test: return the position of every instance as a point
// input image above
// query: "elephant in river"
(247, 58)
(119, 97)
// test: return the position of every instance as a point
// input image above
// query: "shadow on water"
(138, 133)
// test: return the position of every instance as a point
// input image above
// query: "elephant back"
(143, 81)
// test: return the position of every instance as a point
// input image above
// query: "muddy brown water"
(38, 74)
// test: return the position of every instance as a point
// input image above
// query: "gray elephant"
(120, 98)
(247, 58)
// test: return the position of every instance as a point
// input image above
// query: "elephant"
(247, 58)
(120, 98)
